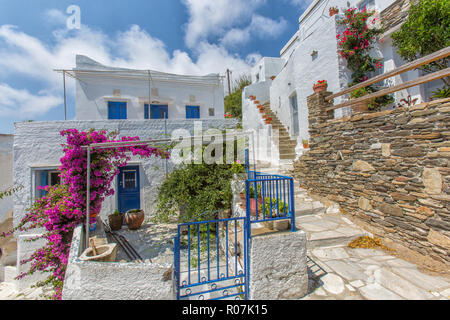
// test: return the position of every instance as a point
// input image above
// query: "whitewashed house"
(148, 104)
(311, 55)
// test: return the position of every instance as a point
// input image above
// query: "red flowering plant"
(355, 43)
(64, 205)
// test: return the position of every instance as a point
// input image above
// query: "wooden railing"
(443, 53)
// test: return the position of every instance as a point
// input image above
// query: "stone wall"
(388, 169)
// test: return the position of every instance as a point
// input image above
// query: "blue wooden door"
(158, 111)
(117, 110)
(129, 188)
(192, 112)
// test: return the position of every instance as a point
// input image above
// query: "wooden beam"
(407, 67)
(430, 77)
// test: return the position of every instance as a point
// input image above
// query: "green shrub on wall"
(426, 30)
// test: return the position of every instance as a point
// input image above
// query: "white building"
(104, 93)
(311, 55)
(147, 104)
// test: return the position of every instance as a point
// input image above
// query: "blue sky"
(179, 36)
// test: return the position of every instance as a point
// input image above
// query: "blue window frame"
(192, 112)
(46, 178)
(117, 110)
(157, 111)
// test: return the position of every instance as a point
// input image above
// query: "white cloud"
(28, 56)
(24, 105)
(216, 18)
(261, 27)
(55, 16)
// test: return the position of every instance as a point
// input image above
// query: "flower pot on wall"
(261, 110)
(134, 218)
(272, 78)
(115, 221)
(360, 107)
(319, 87)
(256, 101)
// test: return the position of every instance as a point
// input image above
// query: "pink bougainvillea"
(64, 205)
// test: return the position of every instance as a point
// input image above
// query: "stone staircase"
(286, 145)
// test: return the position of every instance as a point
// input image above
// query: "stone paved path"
(8, 291)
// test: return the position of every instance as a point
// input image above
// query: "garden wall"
(387, 169)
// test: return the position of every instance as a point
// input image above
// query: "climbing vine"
(355, 44)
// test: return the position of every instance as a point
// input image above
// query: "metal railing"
(211, 259)
(269, 197)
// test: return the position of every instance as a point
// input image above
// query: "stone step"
(331, 239)
(287, 156)
(303, 208)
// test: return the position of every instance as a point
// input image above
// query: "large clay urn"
(134, 218)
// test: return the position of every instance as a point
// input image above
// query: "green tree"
(426, 30)
(233, 101)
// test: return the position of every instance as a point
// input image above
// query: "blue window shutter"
(117, 110)
(44, 182)
(159, 111)
(192, 112)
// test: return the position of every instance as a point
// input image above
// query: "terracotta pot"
(319, 87)
(272, 77)
(264, 116)
(268, 121)
(261, 110)
(332, 13)
(305, 146)
(252, 97)
(256, 101)
(134, 219)
(253, 206)
(115, 221)
(360, 107)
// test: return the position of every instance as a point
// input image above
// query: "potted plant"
(259, 106)
(115, 220)
(333, 10)
(272, 78)
(273, 209)
(134, 218)
(254, 199)
(256, 101)
(305, 143)
(252, 97)
(268, 120)
(320, 86)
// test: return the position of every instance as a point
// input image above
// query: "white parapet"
(278, 268)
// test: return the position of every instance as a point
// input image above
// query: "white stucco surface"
(6, 173)
(87, 280)
(278, 268)
(94, 90)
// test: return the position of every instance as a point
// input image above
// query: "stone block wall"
(388, 169)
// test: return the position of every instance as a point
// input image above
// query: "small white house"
(107, 93)
(311, 55)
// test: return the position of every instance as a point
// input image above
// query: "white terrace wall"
(266, 68)
(38, 145)
(6, 173)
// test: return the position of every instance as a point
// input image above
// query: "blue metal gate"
(211, 259)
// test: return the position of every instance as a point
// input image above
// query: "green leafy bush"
(426, 30)
(282, 207)
(195, 188)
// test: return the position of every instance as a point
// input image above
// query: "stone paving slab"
(369, 274)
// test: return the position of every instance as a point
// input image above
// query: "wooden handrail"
(443, 53)
(429, 77)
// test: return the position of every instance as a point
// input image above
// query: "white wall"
(94, 91)
(266, 68)
(302, 71)
(6, 173)
(88, 280)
